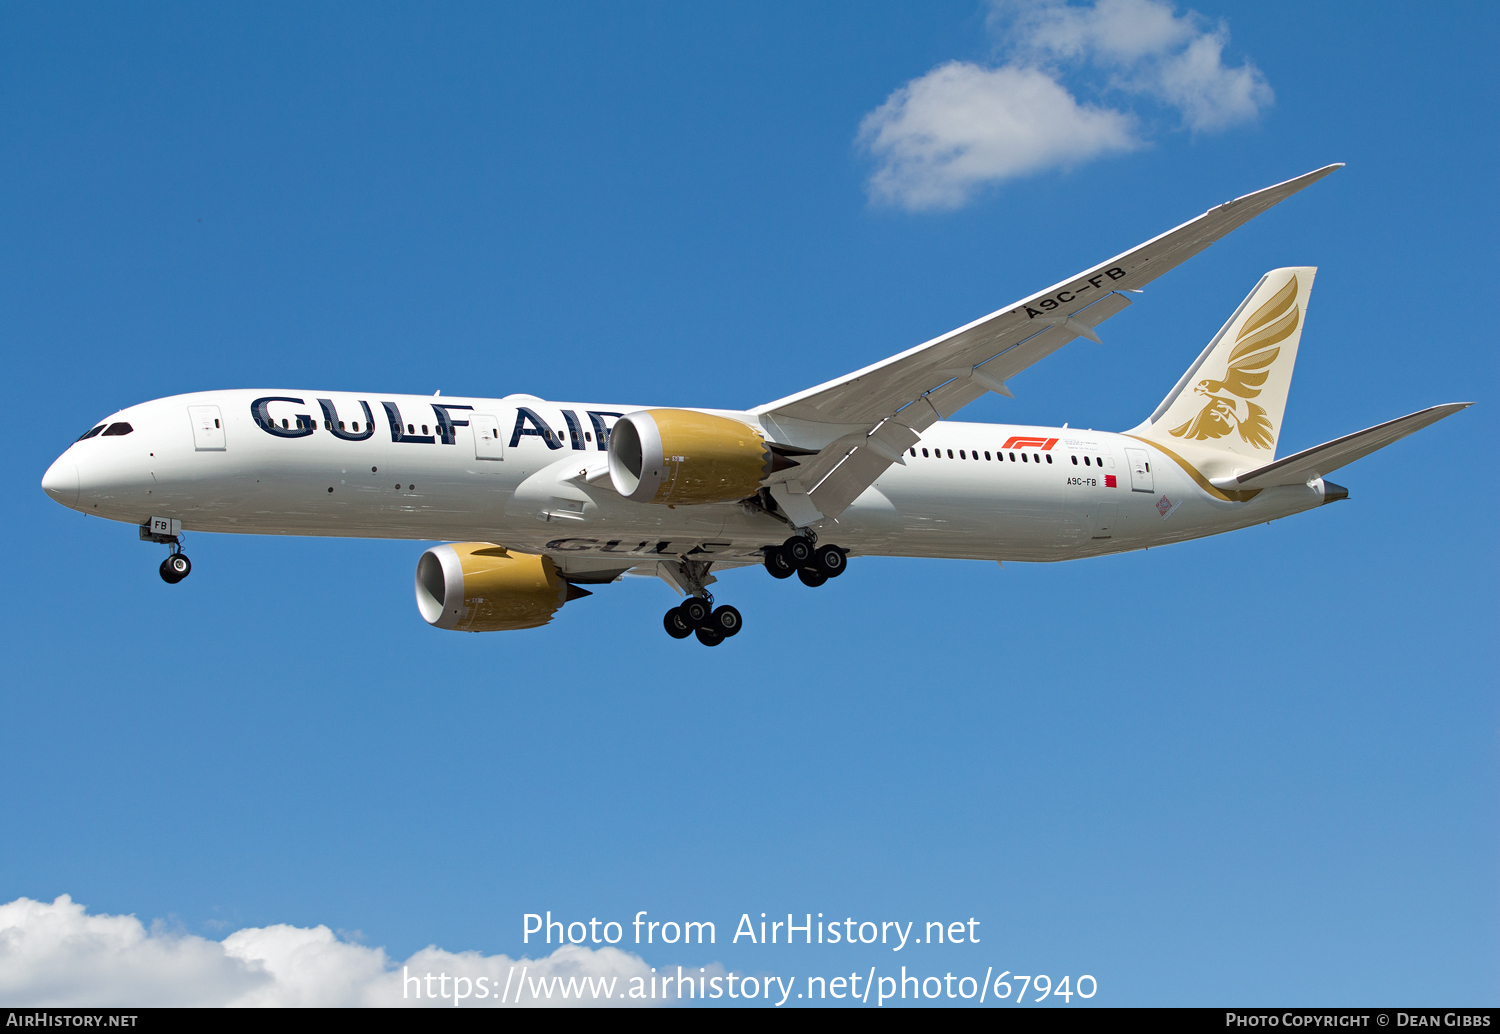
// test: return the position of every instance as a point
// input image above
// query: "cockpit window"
(91, 432)
(119, 428)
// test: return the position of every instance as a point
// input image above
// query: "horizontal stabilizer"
(1310, 464)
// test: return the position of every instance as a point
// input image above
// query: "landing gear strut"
(697, 614)
(811, 563)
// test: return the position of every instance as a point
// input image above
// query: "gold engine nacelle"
(678, 456)
(481, 587)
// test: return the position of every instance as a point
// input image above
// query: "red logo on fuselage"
(1029, 443)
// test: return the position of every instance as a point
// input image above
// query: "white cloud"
(58, 955)
(958, 127)
(1117, 31)
(1209, 95)
(944, 135)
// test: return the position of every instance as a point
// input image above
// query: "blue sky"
(1259, 768)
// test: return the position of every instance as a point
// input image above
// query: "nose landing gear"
(168, 532)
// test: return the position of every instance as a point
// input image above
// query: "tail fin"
(1227, 408)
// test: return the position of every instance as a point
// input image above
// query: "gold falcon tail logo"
(1229, 407)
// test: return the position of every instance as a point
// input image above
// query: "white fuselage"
(1070, 494)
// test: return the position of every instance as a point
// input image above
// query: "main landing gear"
(811, 563)
(698, 616)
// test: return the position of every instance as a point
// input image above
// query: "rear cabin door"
(488, 444)
(1140, 470)
(208, 428)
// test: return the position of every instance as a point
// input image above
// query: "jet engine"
(678, 456)
(481, 587)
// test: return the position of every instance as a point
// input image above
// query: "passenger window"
(913, 451)
(114, 430)
(216, 421)
(1098, 461)
(986, 457)
(1049, 457)
(355, 425)
(1036, 457)
(924, 452)
(1148, 468)
(284, 424)
(1086, 462)
(961, 455)
(1013, 457)
(1023, 457)
(410, 429)
(950, 454)
(588, 436)
(1075, 461)
(341, 425)
(328, 425)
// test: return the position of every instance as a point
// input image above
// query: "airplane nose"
(61, 482)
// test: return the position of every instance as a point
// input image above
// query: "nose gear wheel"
(175, 568)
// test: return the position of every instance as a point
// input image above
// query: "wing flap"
(855, 473)
(1310, 464)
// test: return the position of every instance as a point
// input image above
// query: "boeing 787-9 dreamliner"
(537, 499)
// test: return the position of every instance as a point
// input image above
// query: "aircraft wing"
(864, 421)
(1313, 463)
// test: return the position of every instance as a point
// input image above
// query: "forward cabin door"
(208, 428)
(488, 445)
(1139, 461)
